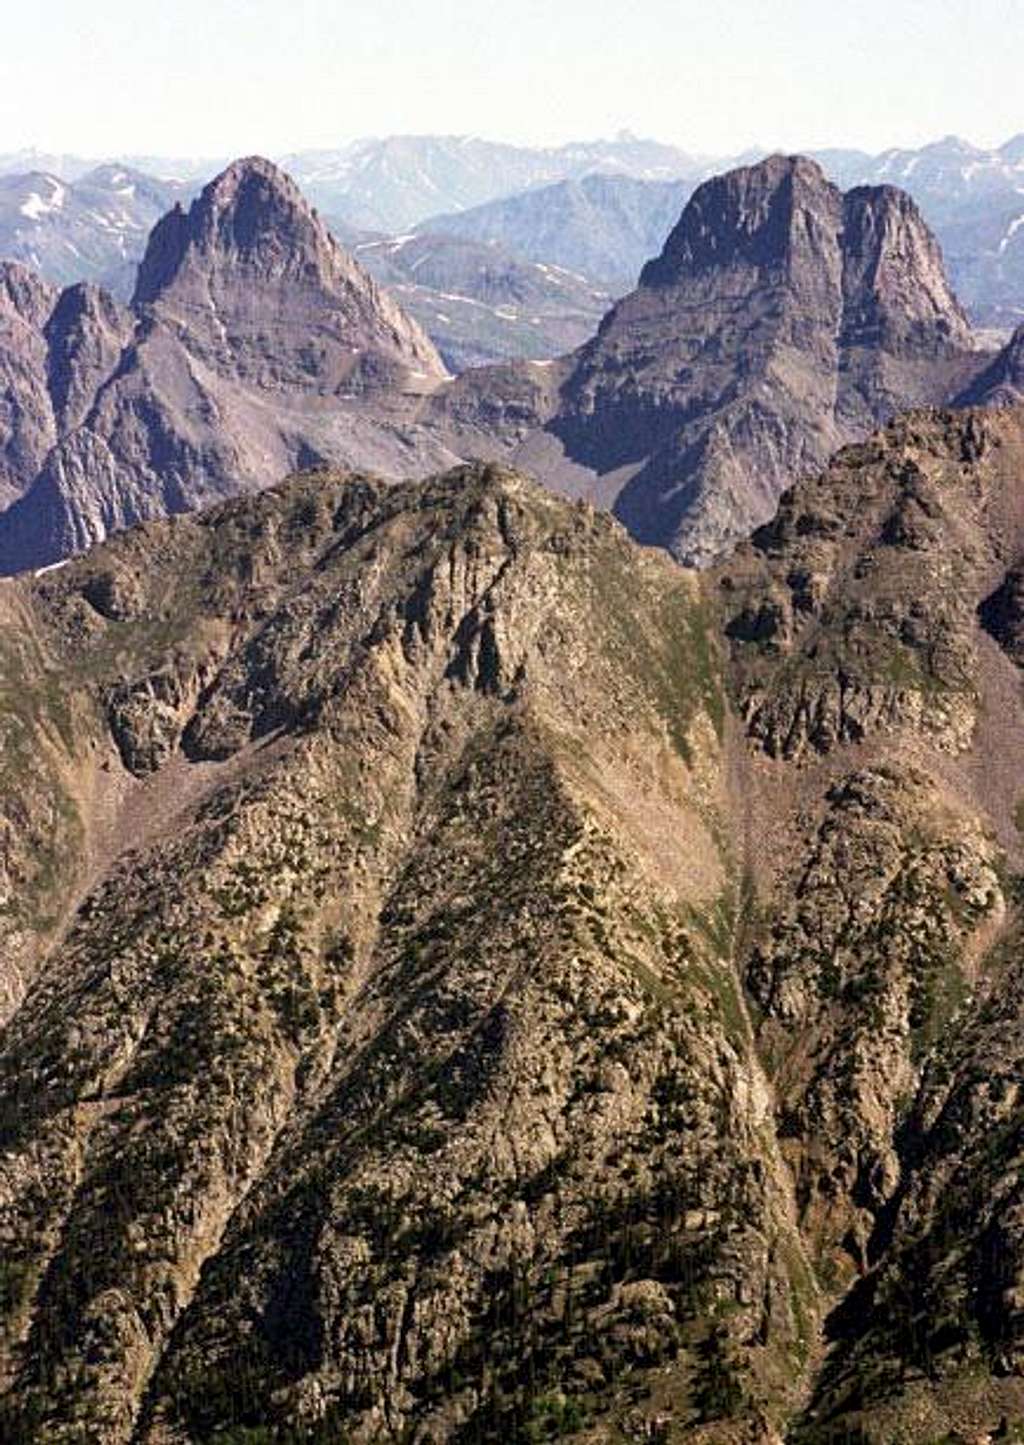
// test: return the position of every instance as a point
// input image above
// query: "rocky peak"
(751, 216)
(784, 215)
(81, 304)
(251, 216)
(254, 345)
(895, 291)
(782, 319)
(251, 263)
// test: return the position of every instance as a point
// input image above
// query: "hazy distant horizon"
(199, 162)
(211, 78)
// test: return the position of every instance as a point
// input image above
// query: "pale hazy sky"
(212, 77)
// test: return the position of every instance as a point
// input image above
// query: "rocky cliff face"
(781, 319)
(466, 978)
(27, 428)
(253, 344)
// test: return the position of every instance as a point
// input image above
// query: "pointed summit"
(253, 346)
(895, 290)
(251, 216)
(784, 214)
(255, 285)
(751, 215)
(782, 319)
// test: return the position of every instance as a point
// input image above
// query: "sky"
(219, 77)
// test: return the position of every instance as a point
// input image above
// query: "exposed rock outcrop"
(382, 1017)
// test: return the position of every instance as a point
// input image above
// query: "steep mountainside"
(875, 635)
(781, 319)
(253, 344)
(27, 426)
(598, 225)
(466, 978)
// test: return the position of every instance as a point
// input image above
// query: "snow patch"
(1011, 231)
(35, 206)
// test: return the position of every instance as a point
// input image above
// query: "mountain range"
(478, 302)
(971, 198)
(781, 319)
(603, 226)
(392, 183)
(467, 978)
(464, 976)
(92, 229)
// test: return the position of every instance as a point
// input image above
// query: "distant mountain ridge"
(94, 228)
(604, 226)
(396, 182)
(478, 302)
(549, 206)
